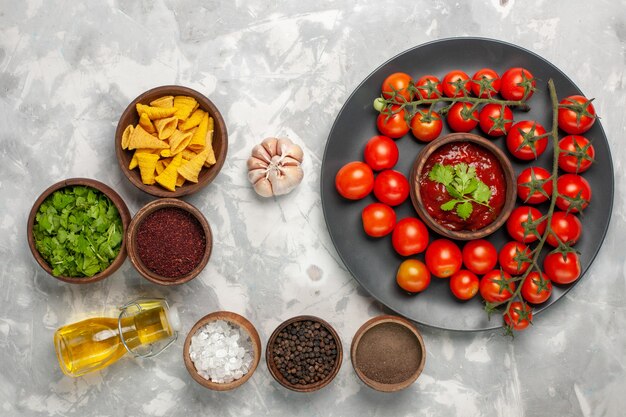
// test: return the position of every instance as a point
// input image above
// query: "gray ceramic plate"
(373, 262)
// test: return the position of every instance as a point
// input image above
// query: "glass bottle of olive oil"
(95, 343)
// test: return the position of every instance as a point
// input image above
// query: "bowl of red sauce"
(463, 186)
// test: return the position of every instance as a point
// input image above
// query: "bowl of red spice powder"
(169, 241)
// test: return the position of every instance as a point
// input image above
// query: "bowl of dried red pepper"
(169, 241)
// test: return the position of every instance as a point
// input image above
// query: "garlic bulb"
(274, 167)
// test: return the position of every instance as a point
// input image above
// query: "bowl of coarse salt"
(222, 350)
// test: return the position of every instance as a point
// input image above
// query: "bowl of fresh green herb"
(77, 229)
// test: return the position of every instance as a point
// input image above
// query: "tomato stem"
(554, 134)
(392, 106)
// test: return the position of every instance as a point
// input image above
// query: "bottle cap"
(173, 318)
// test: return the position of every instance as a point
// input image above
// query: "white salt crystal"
(221, 351)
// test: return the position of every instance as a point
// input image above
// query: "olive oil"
(95, 343)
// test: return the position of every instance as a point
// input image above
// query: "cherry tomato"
(399, 82)
(536, 288)
(426, 126)
(464, 284)
(527, 140)
(443, 258)
(538, 192)
(429, 86)
(562, 269)
(410, 236)
(461, 117)
(511, 258)
(391, 187)
(518, 316)
(378, 219)
(456, 83)
(496, 286)
(413, 276)
(519, 224)
(485, 83)
(574, 193)
(480, 256)
(564, 226)
(495, 120)
(381, 153)
(576, 115)
(517, 83)
(354, 180)
(576, 154)
(394, 126)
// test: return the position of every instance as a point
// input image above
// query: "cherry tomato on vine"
(400, 83)
(413, 276)
(429, 86)
(574, 193)
(461, 117)
(426, 126)
(381, 153)
(456, 83)
(564, 226)
(410, 236)
(576, 154)
(527, 140)
(495, 119)
(512, 258)
(496, 286)
(536, 288)
(576, 114)
(464, 284)
(523, 224)
(485, 83)
(562, 268)
(443, 258)
(517, 84)
(480, 256)
(518, 316)
(534, 185)
(393, 126)
(378, 219)
(391, 187)
(354, 180)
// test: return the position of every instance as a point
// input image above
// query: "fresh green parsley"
(78, 231)
(463, 186)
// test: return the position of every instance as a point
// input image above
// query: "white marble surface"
(68, 69)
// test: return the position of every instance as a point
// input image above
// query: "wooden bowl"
(131, 240)
(379, 386)
(235, 319)
(269, 356)
(121, 208)
(220, 141)
(509, 176)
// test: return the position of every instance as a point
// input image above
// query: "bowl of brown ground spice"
(169, 241)
(388, 353)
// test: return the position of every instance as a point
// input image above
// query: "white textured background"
(68, 69)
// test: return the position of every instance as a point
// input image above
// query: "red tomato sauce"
(488, 170)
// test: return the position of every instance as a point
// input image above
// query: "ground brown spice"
(170, 242)
(388, 353)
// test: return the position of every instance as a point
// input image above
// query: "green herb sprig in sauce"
(78, 231)
(463, 186)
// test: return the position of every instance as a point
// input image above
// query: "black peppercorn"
(304, 352)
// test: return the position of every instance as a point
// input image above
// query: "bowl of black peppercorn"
(304, 354)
